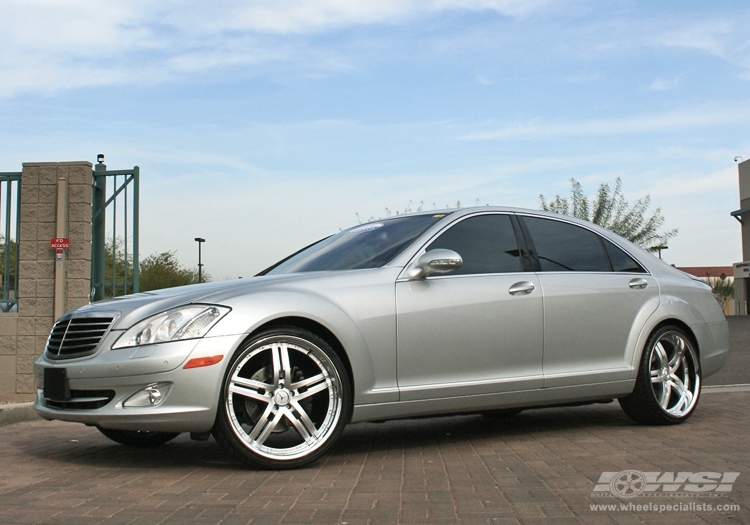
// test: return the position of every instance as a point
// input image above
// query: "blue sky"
(262, 126)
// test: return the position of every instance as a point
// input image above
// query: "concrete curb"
(720, 389)
(17, 413)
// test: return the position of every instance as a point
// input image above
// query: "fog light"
(151, 396)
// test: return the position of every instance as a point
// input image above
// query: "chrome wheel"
(669, 379)
(674, 376)
(285, 399)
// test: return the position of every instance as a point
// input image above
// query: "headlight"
(185, 322)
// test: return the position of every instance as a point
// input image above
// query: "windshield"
(370, 245)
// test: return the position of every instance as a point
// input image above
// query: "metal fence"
(10, 202)
(114, 243)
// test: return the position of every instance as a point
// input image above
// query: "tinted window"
(564, 247)
(621, 261)
(366, 246)
(486, 243)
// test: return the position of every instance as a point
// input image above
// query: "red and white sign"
(59, 242)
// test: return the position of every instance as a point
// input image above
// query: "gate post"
(114, 271)
(97, 229)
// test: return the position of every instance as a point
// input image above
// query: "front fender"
(366, 329)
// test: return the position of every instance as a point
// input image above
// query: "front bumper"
(99, 386)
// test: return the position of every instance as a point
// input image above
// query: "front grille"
(83, 400)
(77, 336)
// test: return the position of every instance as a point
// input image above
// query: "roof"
(708, 271)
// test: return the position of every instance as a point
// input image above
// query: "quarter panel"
(693, 304)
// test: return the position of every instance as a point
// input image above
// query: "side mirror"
(435, 261)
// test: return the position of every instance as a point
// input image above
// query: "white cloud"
(674, 120)
(302, 16)
(135, 40)
(662, 84)
(118, 41)
(720, 37)
(708, 36)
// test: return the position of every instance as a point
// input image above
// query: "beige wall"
(744, 175)
(24, 334)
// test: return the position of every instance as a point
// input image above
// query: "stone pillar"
(36, 279)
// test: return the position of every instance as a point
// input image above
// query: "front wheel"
(669, 380)
(285, 400)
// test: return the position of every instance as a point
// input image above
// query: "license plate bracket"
(56, 385)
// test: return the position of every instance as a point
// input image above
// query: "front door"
(478, 329)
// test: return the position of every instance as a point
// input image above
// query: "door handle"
(638, 283)
(521, 288)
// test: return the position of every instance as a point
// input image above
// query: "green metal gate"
(114, 240)
(10, 228)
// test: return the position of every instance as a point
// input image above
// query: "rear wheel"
(669, 380)
(285, 400)
(137, 438)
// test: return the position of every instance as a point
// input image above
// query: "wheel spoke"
(320, 387)
(657, 377)
(677, 384)
(678, 357)
(307, 382)
(665, 394)
(252, 394)
(303, 425)
(265, 426)
(281, 370)
(661, 355)
(686, 396)
(251, 383)
(305, 418)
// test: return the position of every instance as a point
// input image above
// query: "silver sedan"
(490, 310)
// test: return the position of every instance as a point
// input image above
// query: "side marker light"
(203, 361)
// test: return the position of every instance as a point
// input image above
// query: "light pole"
(199, 240)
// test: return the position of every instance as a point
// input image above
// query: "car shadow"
(85, 446)
(422, 432)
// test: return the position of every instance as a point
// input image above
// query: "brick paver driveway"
(541, 466)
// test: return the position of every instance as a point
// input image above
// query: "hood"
(131, 309)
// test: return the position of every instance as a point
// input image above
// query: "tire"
(669, 380)
(285, 400)
(135, 438)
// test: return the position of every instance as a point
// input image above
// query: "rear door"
(596, 299)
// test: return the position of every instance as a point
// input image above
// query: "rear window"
(563, 247)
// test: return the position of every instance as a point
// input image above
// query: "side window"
(621, 261)
(487, 244)
(565, 247)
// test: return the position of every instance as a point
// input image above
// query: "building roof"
(708, 271)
